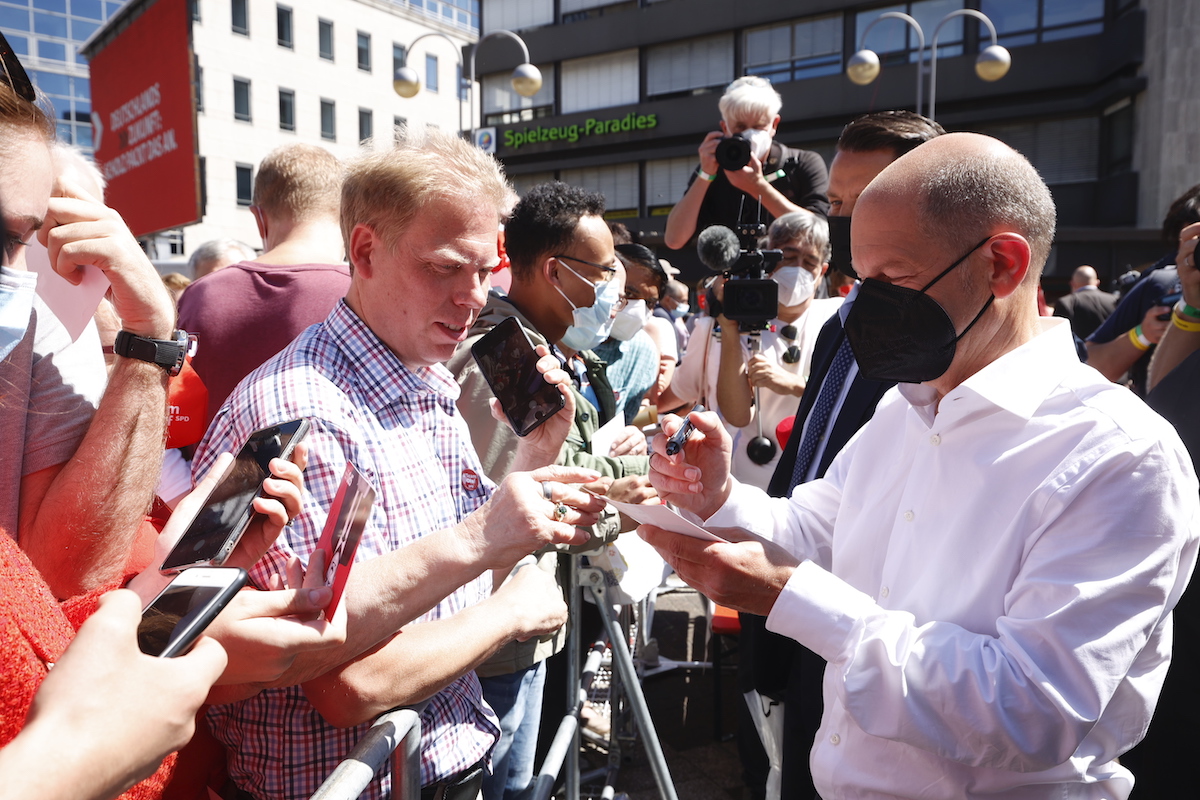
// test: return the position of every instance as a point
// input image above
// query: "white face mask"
(796, 284)
(16, 307)
(630, 319)
(760, 142)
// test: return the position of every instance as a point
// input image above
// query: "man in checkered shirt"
(425, 602)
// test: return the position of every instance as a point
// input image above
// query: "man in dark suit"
(836, 403)
(1086, 306)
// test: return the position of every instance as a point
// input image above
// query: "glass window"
(92, 9)
(325, 39)
(600, 81)
(398, 126)
(1020, 22)
(688, 65)
(896, 42)
(366, 124)
(666, 182)
(461, 82)
(618, 184)
(241, 99)
(50, 25)
(431, 72)
(52, 5)
(199, 85)
(241, 16)
(364, 51)
(14, 19)
(51, 82)
(399, 55)
(287, 110)
(283, 26)
(516, 15)
(794, 51)
(328, 121)
(503, 106)
(245, 184)
(53, 51)
(80, 30)
(20, 44)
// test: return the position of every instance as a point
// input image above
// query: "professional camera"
(751, 298)
(733, 152)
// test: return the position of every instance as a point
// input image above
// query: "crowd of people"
(957, 549)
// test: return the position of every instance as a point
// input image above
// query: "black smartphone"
(509, 363)
(1169, 300)
(173, 621)
(227, 511)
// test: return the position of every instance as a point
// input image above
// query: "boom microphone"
(718, 248)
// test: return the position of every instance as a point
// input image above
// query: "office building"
(1100, 96)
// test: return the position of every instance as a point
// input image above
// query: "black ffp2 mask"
(902, 335)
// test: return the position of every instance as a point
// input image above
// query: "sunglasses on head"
(13, 73)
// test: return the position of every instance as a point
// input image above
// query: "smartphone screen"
(227, 512)
(509, 363)
(176, 618)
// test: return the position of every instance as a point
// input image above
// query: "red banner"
(144, 122)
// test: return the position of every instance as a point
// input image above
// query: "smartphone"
(173, 621)
(1169, 300)
(509, 363)
(227, 511)
(343, 530)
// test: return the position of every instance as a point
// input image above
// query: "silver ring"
(560, 512)
(547, 492)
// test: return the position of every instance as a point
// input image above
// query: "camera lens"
(733, 152)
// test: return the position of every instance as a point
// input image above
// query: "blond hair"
(299, 182)
(386, 190)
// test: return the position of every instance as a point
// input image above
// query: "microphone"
(718, 248)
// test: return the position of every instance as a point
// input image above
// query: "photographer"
(777, 180)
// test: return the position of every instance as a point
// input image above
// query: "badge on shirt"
(470, 480)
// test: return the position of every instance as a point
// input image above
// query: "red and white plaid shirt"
(402, 429)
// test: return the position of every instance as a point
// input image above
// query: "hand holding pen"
(696, 477)
(675, 442)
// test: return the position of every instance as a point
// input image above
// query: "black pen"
(675, 443)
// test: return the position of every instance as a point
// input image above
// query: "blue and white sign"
(485, 140)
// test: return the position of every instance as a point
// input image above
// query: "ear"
(821, 270)
(724, 128)
(1010, 255)
(775, 125)
(260, 220)
(363, 244)
(550, 270)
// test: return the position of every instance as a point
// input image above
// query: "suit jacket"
(1086, 309)
(859, 406)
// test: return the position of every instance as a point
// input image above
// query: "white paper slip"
(73, 305)
(664, 517)
(602, 439)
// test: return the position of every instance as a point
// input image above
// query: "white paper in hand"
(73, 305)
(664, 517)
(602, 439)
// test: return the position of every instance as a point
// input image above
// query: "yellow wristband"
(1138, 339)
(1183, 324)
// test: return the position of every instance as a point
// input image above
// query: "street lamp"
(991, 64)
(526, 78)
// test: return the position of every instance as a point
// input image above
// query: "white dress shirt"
(990, 580)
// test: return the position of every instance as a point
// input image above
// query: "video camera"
(751, 298)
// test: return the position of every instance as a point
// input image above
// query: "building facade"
(269, 73)
(1100, 96)
(46, 35)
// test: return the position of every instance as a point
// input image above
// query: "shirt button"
(585, 416)
(884, 592)
(835, 739)
(909, 516)
(935, 440)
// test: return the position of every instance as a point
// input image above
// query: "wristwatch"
(167, 353)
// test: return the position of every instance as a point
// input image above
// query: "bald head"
(966, 186)
(1084, 276)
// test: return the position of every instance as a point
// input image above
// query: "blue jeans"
(517, 700)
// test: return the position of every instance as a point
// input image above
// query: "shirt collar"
(1017, 382)
(379, 374)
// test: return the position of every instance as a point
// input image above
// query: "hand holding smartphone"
(509, 364)
(228, 510)
(173, 621)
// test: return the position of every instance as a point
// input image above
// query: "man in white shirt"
(989, 567)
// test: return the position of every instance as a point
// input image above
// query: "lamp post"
(526, 78)
(991, 64)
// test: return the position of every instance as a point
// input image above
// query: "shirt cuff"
(821, 611)
(747, 507)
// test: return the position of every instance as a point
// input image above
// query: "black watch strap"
(167, 353)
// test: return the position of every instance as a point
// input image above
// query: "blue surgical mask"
(680, 311)
(16, 307)
(593, 323)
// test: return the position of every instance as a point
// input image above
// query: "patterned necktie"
(818, 418)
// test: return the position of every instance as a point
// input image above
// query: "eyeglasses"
(14, 74)
(622, 301)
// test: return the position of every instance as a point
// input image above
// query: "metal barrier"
(396, 734)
